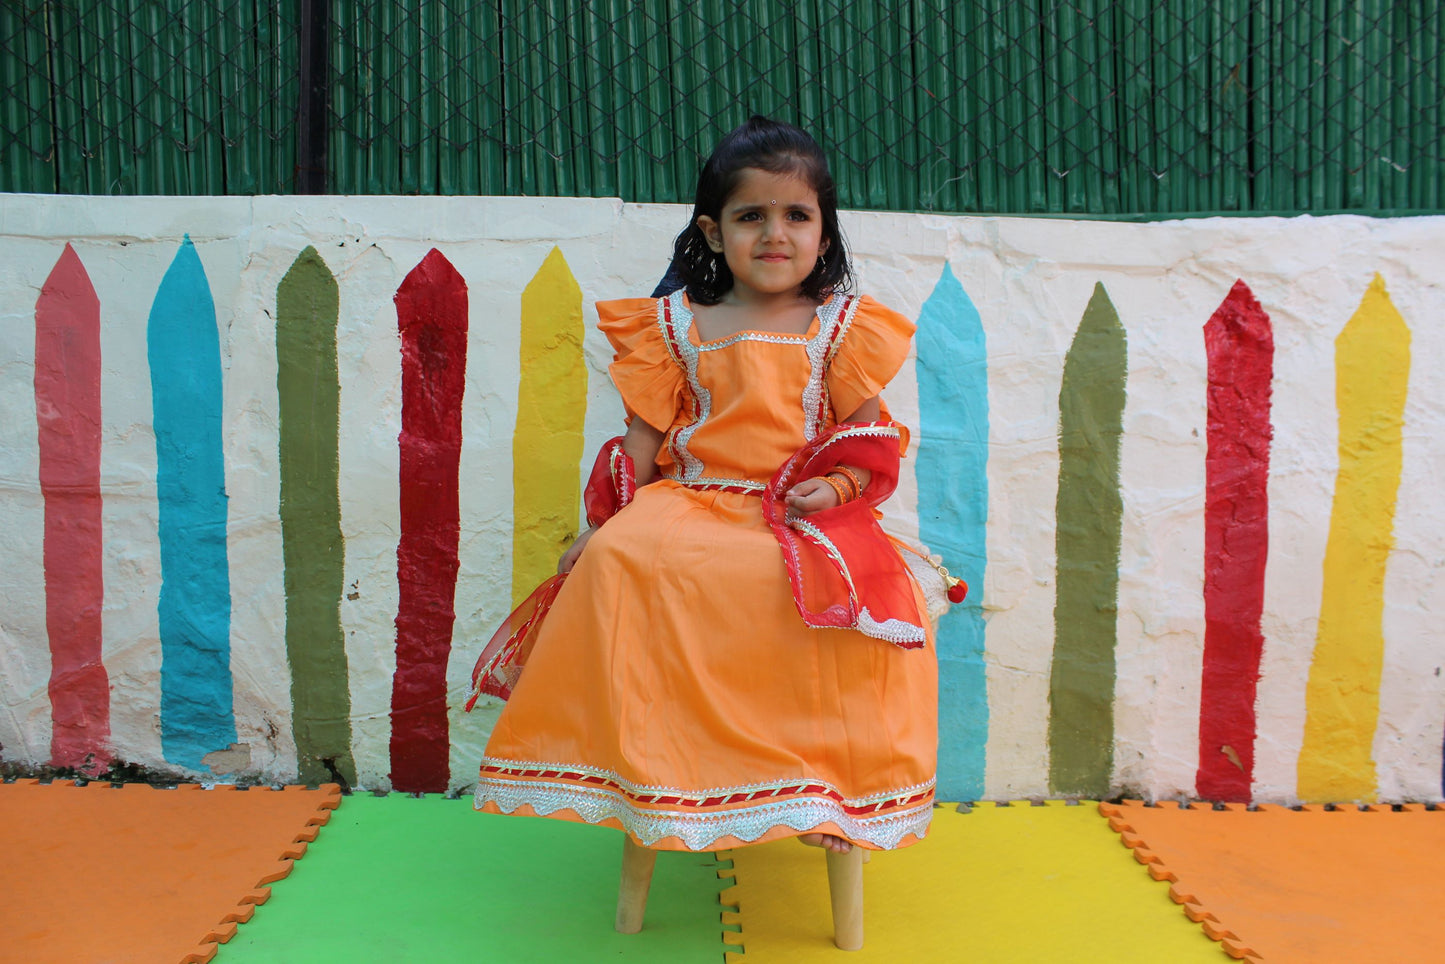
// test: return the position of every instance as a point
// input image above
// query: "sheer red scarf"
(845, 572)
(611, 486)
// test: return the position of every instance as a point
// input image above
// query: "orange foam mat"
(1311, 886)
(96, 873)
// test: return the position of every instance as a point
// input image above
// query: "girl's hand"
(811, 495)
(574, 551)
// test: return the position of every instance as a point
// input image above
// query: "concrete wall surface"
(1191, 470)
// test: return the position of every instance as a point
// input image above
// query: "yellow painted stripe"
(1372, 368)
(547, 445)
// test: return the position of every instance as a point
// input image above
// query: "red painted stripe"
(67, 408)
(431, 312)
(1240, 346)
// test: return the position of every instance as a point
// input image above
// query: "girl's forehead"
(756, 186)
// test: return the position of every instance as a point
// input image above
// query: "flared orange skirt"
(674, 693)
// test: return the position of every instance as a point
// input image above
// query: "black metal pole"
(315, 89)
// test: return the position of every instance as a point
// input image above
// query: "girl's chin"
(775, 276)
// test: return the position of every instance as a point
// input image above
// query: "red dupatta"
(611, 486)
(845, 573)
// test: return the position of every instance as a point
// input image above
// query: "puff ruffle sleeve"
(650, 382)
(873, 350)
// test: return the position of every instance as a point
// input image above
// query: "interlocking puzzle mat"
(405, 879)
(1017, 884)
(1308, 886)
(96, 873)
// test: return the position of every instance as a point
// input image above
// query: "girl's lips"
(772, 257)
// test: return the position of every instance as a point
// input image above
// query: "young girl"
(736, 653)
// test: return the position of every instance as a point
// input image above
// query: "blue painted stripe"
(952, 515)
(184, 351)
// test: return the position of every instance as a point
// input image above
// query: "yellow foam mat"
(999, 884)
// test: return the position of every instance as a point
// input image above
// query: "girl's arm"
(869, 411)
(641, 443)
(815, 495)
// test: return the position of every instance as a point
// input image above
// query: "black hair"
(777, 148)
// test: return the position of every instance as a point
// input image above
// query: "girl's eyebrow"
(788, 206)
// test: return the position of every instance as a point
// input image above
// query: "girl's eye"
(750, 216)
(797, 215)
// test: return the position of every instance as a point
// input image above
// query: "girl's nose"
(773, 229)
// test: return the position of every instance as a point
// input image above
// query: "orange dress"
(673, 690)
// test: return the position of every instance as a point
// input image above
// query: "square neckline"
(815, 327)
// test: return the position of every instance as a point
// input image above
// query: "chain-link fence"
(1088, 106)
(148, 97)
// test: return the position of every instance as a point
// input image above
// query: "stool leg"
(845, 887)
(637, 864)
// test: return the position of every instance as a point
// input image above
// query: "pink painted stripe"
(1239, 343)
(431, 312)
(67, 410)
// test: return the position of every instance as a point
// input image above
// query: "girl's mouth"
(772, 257)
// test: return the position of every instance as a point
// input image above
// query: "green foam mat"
(398, 878)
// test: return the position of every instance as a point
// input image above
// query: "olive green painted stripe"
(1087, 524)
(308, 386)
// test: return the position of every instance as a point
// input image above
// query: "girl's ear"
(711, 232)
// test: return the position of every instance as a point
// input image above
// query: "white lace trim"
(847, 323)
(686, 353)
(675, 319)
(703, 793)
(772, 337)
(862, 429)
(892, 630)
(700, 831)
(802, 525)
(832, 321)
(748, 484)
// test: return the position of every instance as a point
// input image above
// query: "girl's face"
(770, 232)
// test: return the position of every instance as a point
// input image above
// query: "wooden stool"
(845, 888)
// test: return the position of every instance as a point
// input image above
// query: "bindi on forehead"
(771, 204)
(757, 201)
(767, 188)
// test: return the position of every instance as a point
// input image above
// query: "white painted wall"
(1030, 280)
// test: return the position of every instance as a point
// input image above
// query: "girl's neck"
(790, 313)
(765, 304)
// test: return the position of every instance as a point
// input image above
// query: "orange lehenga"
(673, 691)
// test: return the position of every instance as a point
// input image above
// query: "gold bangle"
(837, 487)
(845, 487)
(850, 477)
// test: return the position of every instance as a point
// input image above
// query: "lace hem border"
(700, 831)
